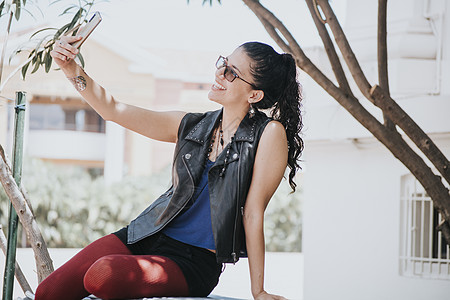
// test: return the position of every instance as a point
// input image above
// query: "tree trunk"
(44, 263)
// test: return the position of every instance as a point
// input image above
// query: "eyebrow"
(234, 67)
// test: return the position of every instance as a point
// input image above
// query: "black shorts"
(198, 265)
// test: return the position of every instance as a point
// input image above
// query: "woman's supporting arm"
(162, 126)
(269, 167)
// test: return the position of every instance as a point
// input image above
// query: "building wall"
(78, 147)
(129, 75)
(352, 183)
(352, 224)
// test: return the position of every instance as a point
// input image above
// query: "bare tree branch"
(274, 34)
(412, 130)
(301, 59)
(385, 102)
(317, 13)
(262, 13)
(383, 78)
(44, 263)
(344, 46)
(350, 103)
(390, 138)
(329, 47)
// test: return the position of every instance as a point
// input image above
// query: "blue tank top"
(193, 226)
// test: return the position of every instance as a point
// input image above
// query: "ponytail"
(276, 75)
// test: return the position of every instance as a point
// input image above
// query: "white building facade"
(368, 225)
(62, 128)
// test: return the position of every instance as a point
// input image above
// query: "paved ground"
(284, 274)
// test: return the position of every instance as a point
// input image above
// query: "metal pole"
(8, 281)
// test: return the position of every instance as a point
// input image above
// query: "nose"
(220, 72)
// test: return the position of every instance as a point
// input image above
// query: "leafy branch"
(12, 8)
(39, 55)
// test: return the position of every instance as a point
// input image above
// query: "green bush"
(73, 209)
(283, 220)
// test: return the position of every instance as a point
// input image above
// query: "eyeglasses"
(229, 73)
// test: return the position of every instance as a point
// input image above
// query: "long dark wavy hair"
(276, 75)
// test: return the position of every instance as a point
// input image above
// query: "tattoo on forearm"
(79, 83)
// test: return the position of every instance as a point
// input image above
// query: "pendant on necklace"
(221, 137)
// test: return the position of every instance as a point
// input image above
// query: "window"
(423, 250)
(46, 116)
(58, 117)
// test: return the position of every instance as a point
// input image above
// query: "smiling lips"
(218, 86)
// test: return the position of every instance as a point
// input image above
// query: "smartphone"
(87, 29)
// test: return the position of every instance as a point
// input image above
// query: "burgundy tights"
(108, 270)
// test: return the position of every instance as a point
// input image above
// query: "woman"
(227, 165)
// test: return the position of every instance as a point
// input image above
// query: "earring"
(251, 111)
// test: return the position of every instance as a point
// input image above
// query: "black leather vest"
(227, 193)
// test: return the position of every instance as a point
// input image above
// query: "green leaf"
(75, 31)
(41, 30)
(18, 7)
(205, 1)
(24, 70)
(15, 52)
(56, 1)
(47, 61)
(30, 13)
(49, 44)
(38, 62)
(2, 5)
(31, 53)
(80, 57)
(39, 44)
(68, 10)
(61, 31)
(76, 17)
(210, 2)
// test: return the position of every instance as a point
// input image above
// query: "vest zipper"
(233, 254)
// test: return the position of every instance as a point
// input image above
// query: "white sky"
(175, 24)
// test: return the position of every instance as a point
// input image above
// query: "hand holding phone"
(86, 30)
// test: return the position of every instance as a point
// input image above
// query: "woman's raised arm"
(162, 126)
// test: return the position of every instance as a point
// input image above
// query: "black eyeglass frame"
(224, 63)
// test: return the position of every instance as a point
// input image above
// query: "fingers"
(265, 296)
(63, 49)
(69, 39)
